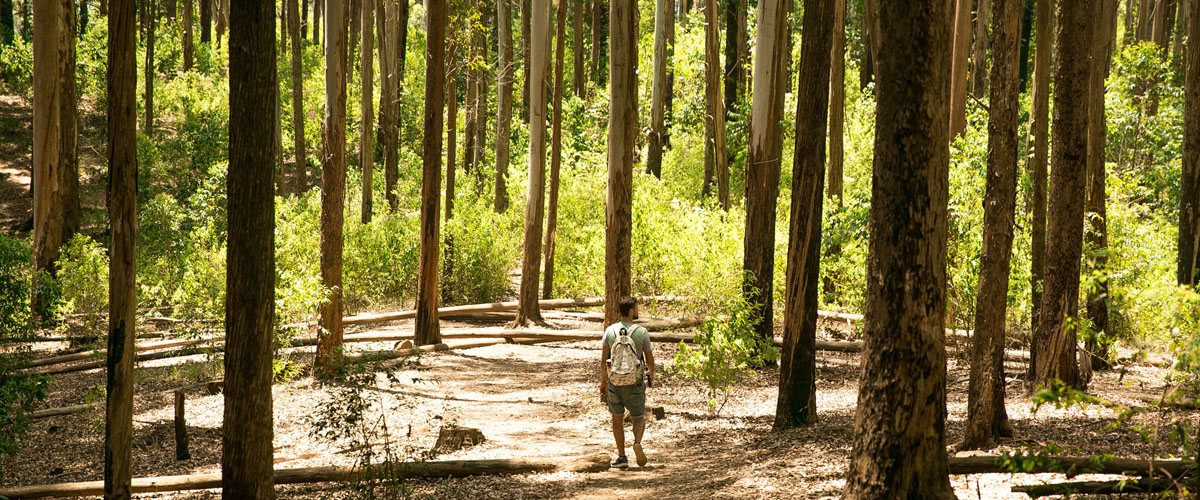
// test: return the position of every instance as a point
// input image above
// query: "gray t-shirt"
(641, 337)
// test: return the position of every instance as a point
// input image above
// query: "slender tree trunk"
(47, 141)
(716, 158)
(206, 21)
(797, 403)
(1144, 18)
(899, 427)
(471, 106)
(354, 24)
(67, 198)
(1189, 191)
(333, 187)
(304, 19)
(366, 149)
(874, 38)
(733, 49)
(958, 73)
(987, 419)
(1130, 15)
(534, 207)
(525, 62)
(481, 107)
(122, 216)
(297, 99)
(598, 14)
(979, 49)
(7, 26)
(247, 463)
(318, 16)
(402, 43)
(504, 76)
(622, 139)
(1060, 298)
(555, 147)
(664, 28)
(1181, 25)
(763, 161)
(1036, 165)
(389, 109)
(1026, 38)
(837, 105)
(187, 34)
(451, 130)
(222, 7)
(426, 329)
(150, 12)
(579, 78)
(1103, 39)
(1158, 23)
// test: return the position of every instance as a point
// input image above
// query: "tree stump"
(451, 438)
(181, 437)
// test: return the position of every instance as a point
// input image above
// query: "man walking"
(626, 369)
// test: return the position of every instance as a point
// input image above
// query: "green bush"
(16, 67)
(16, 262)
(83, 276)
(722, 353)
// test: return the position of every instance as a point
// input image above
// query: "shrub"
(16, 67)
(723, 352)
(83, 276)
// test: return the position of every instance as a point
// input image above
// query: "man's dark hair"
(626, 304)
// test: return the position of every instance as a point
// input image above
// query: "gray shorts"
(627, 397)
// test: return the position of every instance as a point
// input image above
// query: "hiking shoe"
(620, 463)
(641, 455)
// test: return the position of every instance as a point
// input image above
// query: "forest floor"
(16, 159)
(542, 402)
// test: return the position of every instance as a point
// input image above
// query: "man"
(627, 397)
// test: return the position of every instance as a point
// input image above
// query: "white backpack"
(626, 368)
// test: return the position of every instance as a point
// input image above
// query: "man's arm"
(604, 368)
(649, 353)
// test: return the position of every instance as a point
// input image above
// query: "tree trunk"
(1189, 191)
(222, 14)
(622, 139)
(67, 198)
(451, 130)
(899, 427)
(122, 216)
(797, 403)
(1181, 25)
(987, 419)
(504, 75)
(1060, 298)
(471, 106)
(426, 330)
(664, 32)
(555, 147)
(979, 49)
(481, 97)
(958, 74)
(1103, 39)
(580, 76)
(525, 65)
(1144, 18)
(534, 207)
(733, 52)
(366, 149)
(354, 22)
(333, 186)
(150, 13)
(304, 19)
(763, 163)
(247, 463)
(318, 6)
(297, 99)
(7, 26)
(206, 21)
(837, 104)
(187, 34)
(1036, 165)
(389, 79)
(1026, 37)
(874, 38)
(598, 18)
(48, 139)
(716, 161)
(1158, 23)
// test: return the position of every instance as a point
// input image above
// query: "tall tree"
(763, 164)
(7, 26)
(622, 139)
(987, 419)
(366, 149)
(716, 158)
(1189, 191)
(797, 403)
(525, 66)
(1036, 165)
(389, 78)
(598, 22)
(504, 75)
(735, 24)
(1103, 39)
(318, 6)
(481, 97)
(899, 427)
(837, 118)
(1026, 37)
(1144, 19)
(471, 101)
(66, 198)
(206, 20)
(1181, 25)
(979, 48)
(534, 207)
(452, 69)
(1055, 331)
(247, 463)
(301, 161)
(579, 78)
(187, 34)
(333, 185)
(555, 147)
(122, 216)
(426, 329)
(664, 35)
(958, 72)
(149, 19)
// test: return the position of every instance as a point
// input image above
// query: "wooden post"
(181, 436)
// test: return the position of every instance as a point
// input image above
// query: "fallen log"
(447, 312)
(66, 410)
(153, 346)
(438, 469)
(1102, 487)
(1071, 466)
(150, 356)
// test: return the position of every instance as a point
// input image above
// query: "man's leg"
(618, 428)
(639, 425)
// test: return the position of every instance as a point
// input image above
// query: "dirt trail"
(16, 162)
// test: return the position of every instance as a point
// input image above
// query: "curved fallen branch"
(1071, 466)
(438, 469)
(1102, 487)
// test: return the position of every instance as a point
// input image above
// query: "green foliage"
(16, 67)
(16, 262)
(83, 276)
(724, 351)
(475, 264)
(19, 392)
